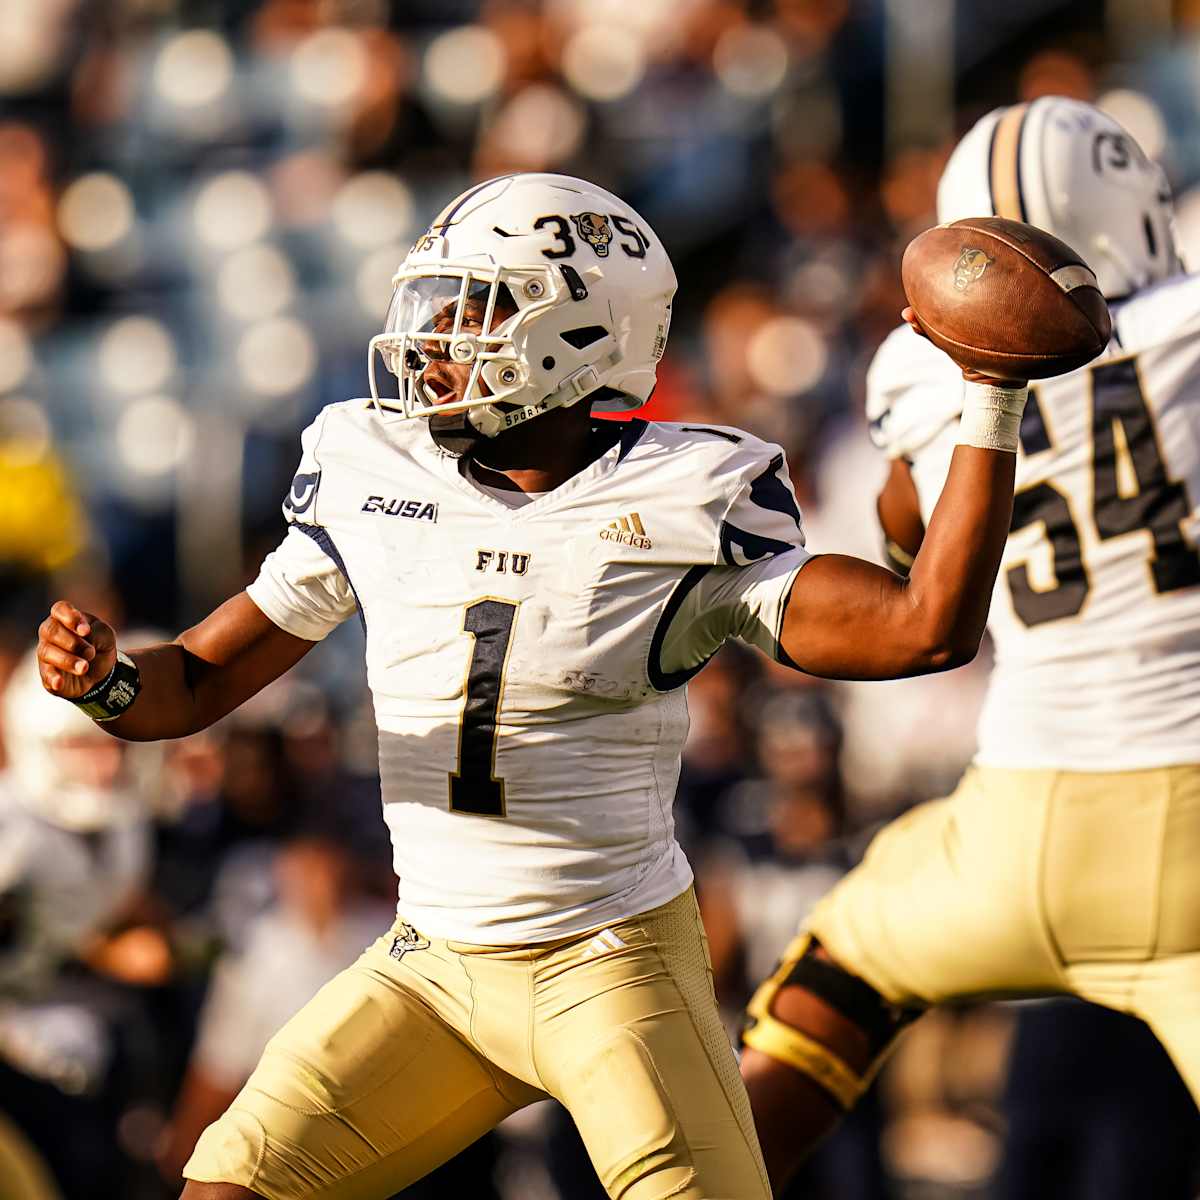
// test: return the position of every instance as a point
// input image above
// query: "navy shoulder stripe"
(320, 535)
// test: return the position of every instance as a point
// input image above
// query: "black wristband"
(114, 693)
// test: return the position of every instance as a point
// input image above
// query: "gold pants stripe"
(399, 1062)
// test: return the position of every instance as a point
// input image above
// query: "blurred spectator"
(76, 931)
(784, 849)
(781, 849)
(320, 922)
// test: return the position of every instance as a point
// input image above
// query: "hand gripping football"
(1005, 298)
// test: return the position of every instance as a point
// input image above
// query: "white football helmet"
(549, 288)
(1072, 170)
(66, 769)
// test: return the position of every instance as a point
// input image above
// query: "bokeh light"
(31, 42)
(658, 24)
(136, 354)
(750, 60)
(96, 212)
(787, 356)
(538, 129)
(32, 264)
(277, 357)
(464, 65)
(154, 435)
(373, 208)
(329, 68)
(232, 210)
(256, 282)
(194, 69)
(604, 62)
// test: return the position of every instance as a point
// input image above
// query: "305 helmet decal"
(543, 289)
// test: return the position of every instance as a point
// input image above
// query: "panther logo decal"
(407, 938)
(970, 266)
(595, 229)
(303, 492)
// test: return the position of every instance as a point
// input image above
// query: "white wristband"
(991, 416)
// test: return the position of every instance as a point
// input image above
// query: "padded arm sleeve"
(746, 603)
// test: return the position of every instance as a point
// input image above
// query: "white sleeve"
(301, 587)
(759, 548)
(714, 604)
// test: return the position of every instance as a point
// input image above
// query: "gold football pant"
(1035, 882)
(423, 1045)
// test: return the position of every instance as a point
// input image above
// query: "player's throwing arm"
(1008, 303)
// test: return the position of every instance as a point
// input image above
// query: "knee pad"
(852, 998)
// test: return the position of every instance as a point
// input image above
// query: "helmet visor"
(441, 330)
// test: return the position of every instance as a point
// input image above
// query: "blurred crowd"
(202, 203)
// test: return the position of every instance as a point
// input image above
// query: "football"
(1005, 298)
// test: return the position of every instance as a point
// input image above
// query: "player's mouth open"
(439, 390)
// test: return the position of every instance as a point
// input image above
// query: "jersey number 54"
(1121, 422)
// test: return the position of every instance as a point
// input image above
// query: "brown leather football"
(1005, 298)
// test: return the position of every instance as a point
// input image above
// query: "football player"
(537, 588)
(1065, 861)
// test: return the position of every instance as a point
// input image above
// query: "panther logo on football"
(970, 266)
(595, 229)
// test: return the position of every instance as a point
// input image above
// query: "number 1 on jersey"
(473, 787)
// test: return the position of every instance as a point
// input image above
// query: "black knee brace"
(851, 997)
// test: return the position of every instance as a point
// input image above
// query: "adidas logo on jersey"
(629, 531)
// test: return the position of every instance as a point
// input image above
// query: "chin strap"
(454, 434)
(495, 419)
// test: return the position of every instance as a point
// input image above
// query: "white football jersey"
(528, 664)
(1096, 613)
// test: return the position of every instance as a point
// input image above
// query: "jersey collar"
(623, 437)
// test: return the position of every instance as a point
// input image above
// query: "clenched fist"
(75, 651)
